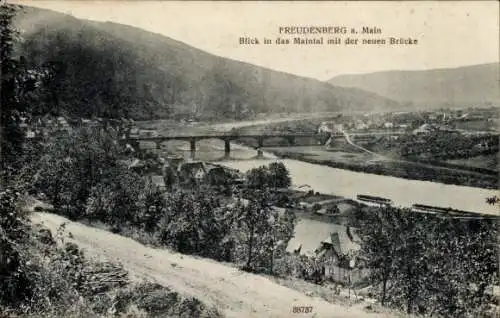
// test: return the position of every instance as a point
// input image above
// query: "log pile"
(103, 276)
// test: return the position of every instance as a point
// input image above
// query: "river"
(403, 192)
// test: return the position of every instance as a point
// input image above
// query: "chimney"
(349, 233)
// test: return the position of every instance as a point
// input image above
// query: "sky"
(450, 34)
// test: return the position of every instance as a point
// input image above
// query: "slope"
(462, 86)
(236, 293)
(109, 69)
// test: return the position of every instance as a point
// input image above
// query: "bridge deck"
(221, 136)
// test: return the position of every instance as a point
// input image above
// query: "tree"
(262, 233)
(276, 175)
(196, 223)
(430, 263)
(377, 248)
(279, 175)
(11, 136)
(258, 177)
(123, 197)
(17, 81)
(70, 166)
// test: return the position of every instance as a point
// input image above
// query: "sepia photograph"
(335, 159)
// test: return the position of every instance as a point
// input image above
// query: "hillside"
(236, 293)
(109, 69)
(456, 87)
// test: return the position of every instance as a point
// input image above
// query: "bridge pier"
(291, 140)
(227, 148)
(158, 145)
(260, 153)
(192, 143)
(260, 144)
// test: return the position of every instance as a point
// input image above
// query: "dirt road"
(235, 293)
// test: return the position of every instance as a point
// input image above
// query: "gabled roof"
(136, 163)
(343, 245)
(310, 233)
(340, 241)
(209, 168)
(190, 166)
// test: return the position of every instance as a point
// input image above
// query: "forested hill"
(475, 85)
(108, 69)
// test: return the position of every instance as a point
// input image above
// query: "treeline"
(444, 146)
(430, 264)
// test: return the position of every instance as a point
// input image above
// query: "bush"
(160, 301)
(316, 207)
(14, 235)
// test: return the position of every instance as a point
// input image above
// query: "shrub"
(160, 301)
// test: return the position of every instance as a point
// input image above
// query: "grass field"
(342, 154)
(486, 162)
(476, 125)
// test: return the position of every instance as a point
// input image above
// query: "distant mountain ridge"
(475, 85)
(109, 69)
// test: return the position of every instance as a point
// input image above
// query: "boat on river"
(374, 199)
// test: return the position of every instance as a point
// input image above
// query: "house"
(360, 125)
(136, 165)
(237, 201)
(308, 234)
(134, 133)
(174, 161)
(62, 123)
(158, 181)
(388, 125)
(323, 128)
(194, 171)
(144, 133)
(340, 248)
(30, 133)
(423, 130)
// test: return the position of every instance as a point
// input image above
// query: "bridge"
(226, 137)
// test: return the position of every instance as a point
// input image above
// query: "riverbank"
(399, 169)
